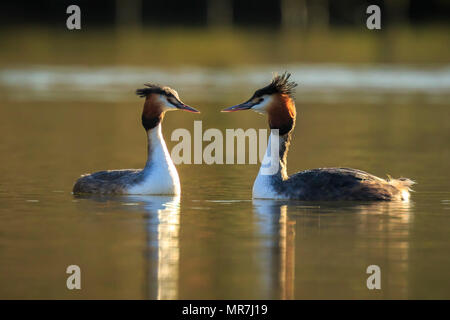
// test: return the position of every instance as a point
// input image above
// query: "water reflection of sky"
(84, 83)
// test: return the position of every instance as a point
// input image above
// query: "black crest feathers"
(151, 88)
(154, 88)
(279, 84)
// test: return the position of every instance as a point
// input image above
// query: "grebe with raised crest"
(159, 176)
(276, 101)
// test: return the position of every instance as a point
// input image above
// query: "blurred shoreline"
(223, 48)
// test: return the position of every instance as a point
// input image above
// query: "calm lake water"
(215, 242)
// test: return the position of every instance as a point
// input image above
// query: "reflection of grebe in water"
(159, 175)
(275, 221)
(167, 244)
(162, 238)
(276, 101)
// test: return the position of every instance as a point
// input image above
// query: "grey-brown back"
(342, 184)
(108, 182)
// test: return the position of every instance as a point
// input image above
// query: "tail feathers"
(403, 185)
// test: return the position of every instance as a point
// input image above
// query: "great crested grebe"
(277, 102)
(159, 175)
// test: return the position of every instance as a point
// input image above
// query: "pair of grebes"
(160, 177)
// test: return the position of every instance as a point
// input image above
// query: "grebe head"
(158, 100)
(276, 101)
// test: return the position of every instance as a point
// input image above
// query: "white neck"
(272, 170)
(160, 174)
(157, 149)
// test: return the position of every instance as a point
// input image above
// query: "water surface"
(214, 241)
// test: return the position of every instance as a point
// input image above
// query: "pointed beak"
(243, 106)
(184, 107)
(181, 106)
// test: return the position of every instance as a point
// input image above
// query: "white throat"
(160, 174)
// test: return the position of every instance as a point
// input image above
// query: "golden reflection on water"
(395, 225)
(391, 219)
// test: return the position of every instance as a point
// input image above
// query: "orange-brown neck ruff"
(153, 113)
(282, 114)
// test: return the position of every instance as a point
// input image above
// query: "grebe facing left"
(275, 100)
(159, 175)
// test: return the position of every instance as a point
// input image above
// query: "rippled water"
(215, 241)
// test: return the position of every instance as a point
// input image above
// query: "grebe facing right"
(159, 177)
(277, 102)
